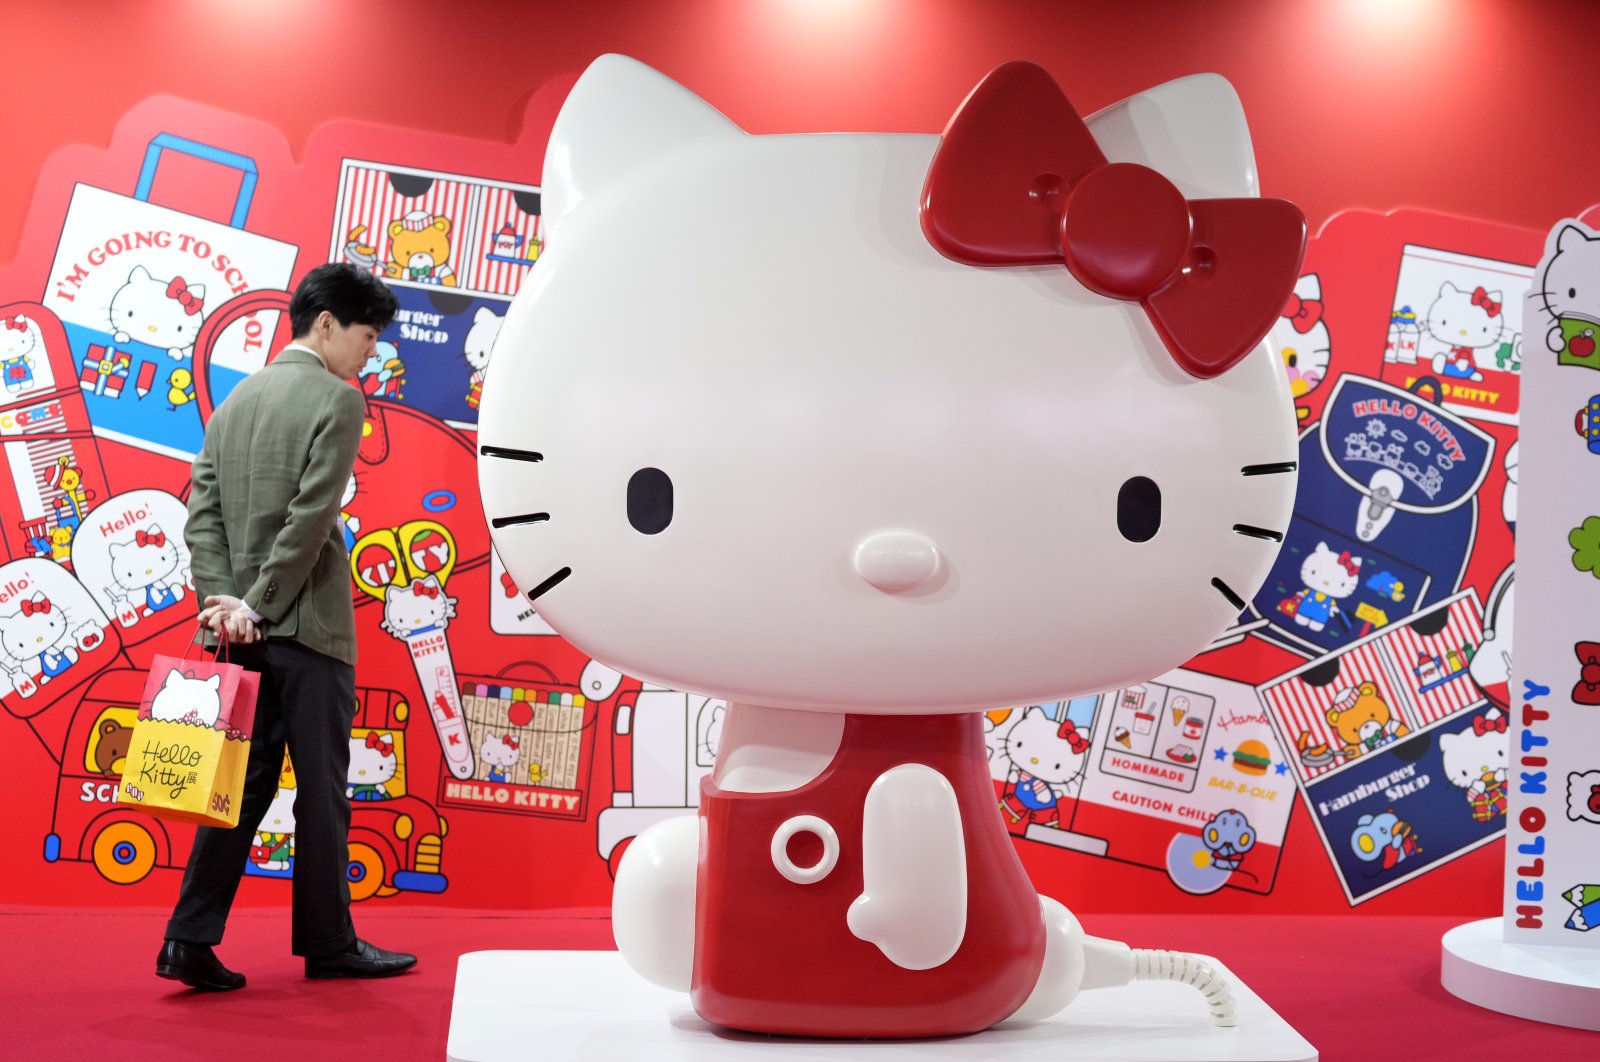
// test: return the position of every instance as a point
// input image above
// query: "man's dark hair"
(351, 294)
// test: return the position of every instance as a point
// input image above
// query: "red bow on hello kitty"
(1351, 566)
(422, 589)
(1018, 179)
(1069, 733)
(1481, 298)
(159, 538)
(1587, 689)
(41, 605)
(179, 290)
(1484, 725)
(1303, 314)
(511, 743)
(16, 324)
(380, 742)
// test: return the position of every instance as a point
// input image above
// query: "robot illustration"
(847, 589)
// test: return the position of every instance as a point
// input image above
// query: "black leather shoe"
(360, 960)
(197, 966)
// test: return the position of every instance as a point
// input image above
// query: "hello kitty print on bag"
(183, 699)
(913, 426)
(161, 313)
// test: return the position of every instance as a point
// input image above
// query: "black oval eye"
(650, 501)
(1139, 509)
(1572, 293)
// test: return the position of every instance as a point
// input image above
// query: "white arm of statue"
(913, 902)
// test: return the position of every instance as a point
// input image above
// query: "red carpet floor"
(79, 984)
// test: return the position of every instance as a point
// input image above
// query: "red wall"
(1453, 107)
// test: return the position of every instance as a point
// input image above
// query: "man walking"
(269, 560)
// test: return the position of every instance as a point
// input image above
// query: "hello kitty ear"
(1571, 236)
(1308, 287)
(483, 314)
(114, 548)
(173, 679)
(1192, 130)
(215, 681)
(140, 273)
(620, 116)
(1449, 287)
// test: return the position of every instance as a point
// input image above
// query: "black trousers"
(307, 701)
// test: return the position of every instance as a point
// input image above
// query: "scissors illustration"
(413, 562)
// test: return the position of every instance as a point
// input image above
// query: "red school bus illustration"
(396, 838)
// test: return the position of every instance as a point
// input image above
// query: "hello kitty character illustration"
(18, 340)
(416, 608)
(372, 764)
(1460, 323)
(848, 592)
(148, 562)
(273, 844)
(183, 699)
(1570, 294)
(1475, 760)
(1301, 339)
(1046, 763)
(500, 752)
(1328, 577)
(477, 347)
(162, 313)
(37, 644)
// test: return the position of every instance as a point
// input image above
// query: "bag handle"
(197, 638)
(206, 153)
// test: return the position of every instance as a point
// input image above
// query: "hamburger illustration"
(1252, 757)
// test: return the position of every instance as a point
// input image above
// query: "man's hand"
(225, 614)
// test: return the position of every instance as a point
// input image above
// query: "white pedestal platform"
(1539, 981)
(569, 1005)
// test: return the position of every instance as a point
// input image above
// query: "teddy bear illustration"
(848, 591)
(111, 748)
(1363, 720)
(419, 250)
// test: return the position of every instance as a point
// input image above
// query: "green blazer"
(264, 504)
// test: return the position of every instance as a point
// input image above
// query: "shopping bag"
(191, 743)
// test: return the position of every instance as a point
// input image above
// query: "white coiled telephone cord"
(1150, 964)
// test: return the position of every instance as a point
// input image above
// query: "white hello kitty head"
(1471, 317)
(1571, 283)
(1327, 572)
(162, 313)
(188, 700)
(19, 337)
(1476, 754)
(1054, 752)
(38, 626)
(417, 606)
(479, 343)
(500, 750)
(280, 813)
(839, 470)
(1301, 337)
(149, 558)
(349, 494)
(372, 759)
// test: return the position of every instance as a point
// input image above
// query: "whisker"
(1257, 532)
(549, 584)
(525, 518)
(1227, 591)
(1272, 469)
(510, 454)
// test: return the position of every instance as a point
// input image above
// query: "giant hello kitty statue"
(866, 434)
